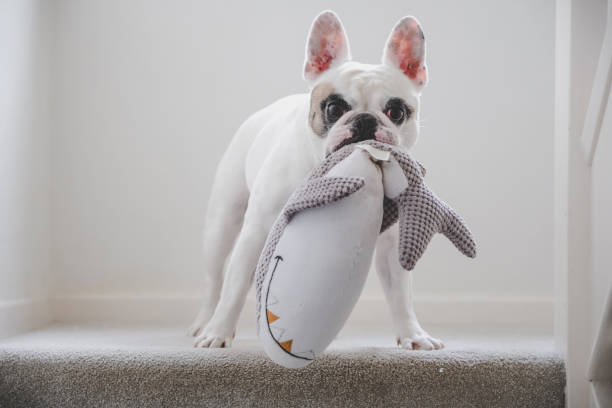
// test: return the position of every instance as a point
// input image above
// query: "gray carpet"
(71, 367)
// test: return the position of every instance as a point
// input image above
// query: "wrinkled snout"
(358, 128)
(364, 126)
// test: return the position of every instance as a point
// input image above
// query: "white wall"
(24, 163)
(149, 94)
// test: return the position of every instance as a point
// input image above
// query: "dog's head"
(350, 101)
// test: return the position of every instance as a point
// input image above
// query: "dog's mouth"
(360, 128)
(348, 141)
(350, 137)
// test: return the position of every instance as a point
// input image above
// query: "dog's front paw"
(214, 336)
(419, 339)
(200, 321)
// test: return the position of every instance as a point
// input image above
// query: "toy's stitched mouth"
(271, 318)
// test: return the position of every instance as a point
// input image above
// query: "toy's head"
(352, 102)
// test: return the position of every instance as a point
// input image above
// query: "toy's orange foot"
(286, 345)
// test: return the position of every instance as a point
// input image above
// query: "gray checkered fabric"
(420, 212)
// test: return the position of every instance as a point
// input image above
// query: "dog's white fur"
(274, 150)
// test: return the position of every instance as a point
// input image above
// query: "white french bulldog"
(276, 148)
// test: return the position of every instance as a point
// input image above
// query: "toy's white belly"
(319, 268)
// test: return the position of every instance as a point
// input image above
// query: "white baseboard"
(371, 311)
(22, 315)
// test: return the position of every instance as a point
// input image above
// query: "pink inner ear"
(331, 43)
(406, 44)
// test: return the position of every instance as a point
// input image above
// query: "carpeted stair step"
(101, 367)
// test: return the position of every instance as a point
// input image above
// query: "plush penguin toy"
(316, 259)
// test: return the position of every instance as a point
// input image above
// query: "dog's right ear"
(405, 50)
(327, 45)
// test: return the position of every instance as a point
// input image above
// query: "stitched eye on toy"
(397, 111)
(334, 107)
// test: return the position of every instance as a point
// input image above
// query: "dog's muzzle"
(363, 127)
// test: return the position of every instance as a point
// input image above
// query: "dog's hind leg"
(397, 286)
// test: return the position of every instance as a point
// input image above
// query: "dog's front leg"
(397, 285)
(220, 330)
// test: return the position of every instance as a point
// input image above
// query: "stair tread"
(146, 366)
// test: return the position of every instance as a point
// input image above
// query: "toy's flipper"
(421, 215)
(422, 168)
(457, 232)
(321, 191)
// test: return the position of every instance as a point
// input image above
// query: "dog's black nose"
(364, 126)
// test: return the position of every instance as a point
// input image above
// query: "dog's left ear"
(327, 45)
(405, 49)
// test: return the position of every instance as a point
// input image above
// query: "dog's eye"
(333, 107)
(395, 114)
(397, 111)
(335, 110)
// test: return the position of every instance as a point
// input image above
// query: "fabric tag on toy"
(376, 154)
(394, 179)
